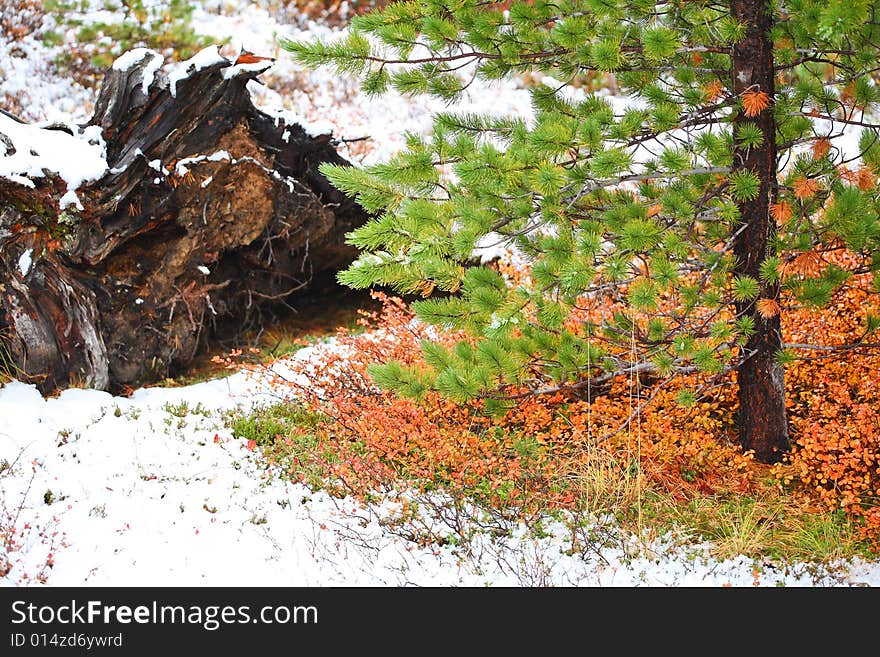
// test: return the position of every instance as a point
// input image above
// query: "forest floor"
(182, 484)
(155, 489)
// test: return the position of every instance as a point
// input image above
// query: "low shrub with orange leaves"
(834, 410)
(558, 452)
(579, 451)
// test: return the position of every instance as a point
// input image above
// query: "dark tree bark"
(763, 424)
(117, 293)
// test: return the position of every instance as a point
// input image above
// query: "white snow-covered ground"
(146, 491)
(143, 490)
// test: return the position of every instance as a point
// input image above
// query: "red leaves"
(373, 440)
(537, 454)
(250, 58)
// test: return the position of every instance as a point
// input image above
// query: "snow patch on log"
(76, 158)
(209, 56)
(182, 167)
(252, 67)
(24, 262)
(70, 198)
(281, 115)
(132, 58)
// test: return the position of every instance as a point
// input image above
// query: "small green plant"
(9, 371)
(774, 525)
(51, 38)
(264, 425)
(742, 525)
(177, 410)
(163, 26)
(822, 537)
(286, 435)
(183, 409)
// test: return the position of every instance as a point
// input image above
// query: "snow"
(182, 166)
(150, 72)
(130, 59)
(76, 158)
(238, 69)
(70, 198)
(206, 57)
(146, 491)
(139, 490)
(134, 57)
(31, 80)
(313, 128)
(24, 262)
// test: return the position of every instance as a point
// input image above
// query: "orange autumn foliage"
(821, 147)
(834, 410)
(808, 263)
(805, 188)
(755, 102)
(767, 308)
(781, 212)
(533, 458)
(525, 462)
(866, 179)
(713, 90)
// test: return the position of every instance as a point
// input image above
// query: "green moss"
(287, 435)
(268, 424)
(52, 38)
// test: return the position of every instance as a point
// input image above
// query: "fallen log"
(179, 214)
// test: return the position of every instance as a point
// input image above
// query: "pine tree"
(667, 237)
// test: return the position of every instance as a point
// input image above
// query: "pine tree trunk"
(762, 418)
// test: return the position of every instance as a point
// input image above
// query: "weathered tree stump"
(208, 212)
